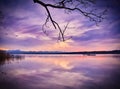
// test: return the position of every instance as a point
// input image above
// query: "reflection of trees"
(6, 57)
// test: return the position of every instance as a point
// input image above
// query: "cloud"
(22, 27)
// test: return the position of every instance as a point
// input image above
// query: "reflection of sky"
(23, 20)
(61, 72)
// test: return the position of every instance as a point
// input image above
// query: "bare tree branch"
(70, 5)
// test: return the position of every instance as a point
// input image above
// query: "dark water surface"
(61, 72)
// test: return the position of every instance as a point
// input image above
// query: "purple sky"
(23, 20)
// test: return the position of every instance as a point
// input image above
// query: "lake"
(34, 71)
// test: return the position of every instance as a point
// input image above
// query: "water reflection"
(62, 72)
(6, 57)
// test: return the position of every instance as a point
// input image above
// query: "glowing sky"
(21, 28)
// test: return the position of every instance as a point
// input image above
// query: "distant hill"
(59, 52)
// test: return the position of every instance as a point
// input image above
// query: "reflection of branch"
(63, 4)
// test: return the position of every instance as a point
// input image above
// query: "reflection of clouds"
(62, 62)
(69, 62)
(63, 71)
(67, 78)
(51, 78)
(23, 72)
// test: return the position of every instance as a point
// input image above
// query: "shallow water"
(61, 72)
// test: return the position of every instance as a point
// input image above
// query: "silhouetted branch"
(70, 5)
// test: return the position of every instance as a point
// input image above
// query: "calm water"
(61, 72)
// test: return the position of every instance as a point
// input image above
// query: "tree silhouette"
(71, 5)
